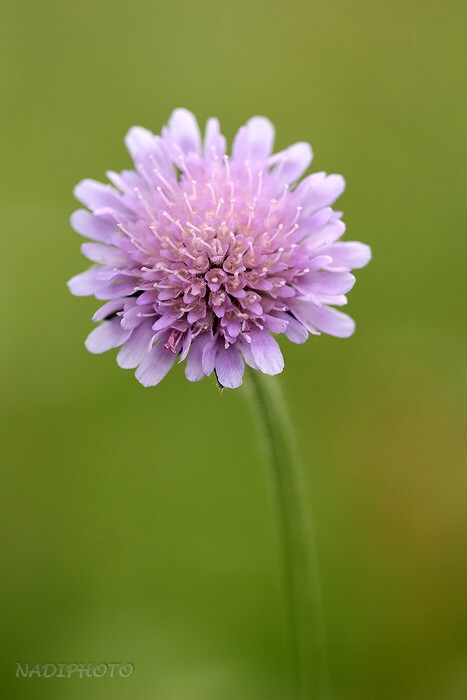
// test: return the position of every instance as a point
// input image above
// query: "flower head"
(204, 256)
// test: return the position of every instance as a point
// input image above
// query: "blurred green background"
(136, 522)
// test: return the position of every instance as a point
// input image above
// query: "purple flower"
(204, 257)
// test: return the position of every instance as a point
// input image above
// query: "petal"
(274, 324)
(291, 163)
(87, 282)
(208, 359)
(229, 367)
(117, 288)
(326, 283)
(139, 141)
(92, 226)
(325, 235)
(320, 190)
(147, 151)
(214, 141)
(295, 331)
(136, 347)
(266, 352)
(350, 254)
(324, 318)
(245, 349)
(98, 196)
(254, 141)
(194, 362)
(109, 309)
(108, 335)
(155, 365)
(182, 132)
(105, 254)
(166, 320)
(133, 315)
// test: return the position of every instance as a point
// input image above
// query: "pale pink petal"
(326, 283)
(105, 254)
(319, 190)
(208, 359)
(324, 236)
(254, 141)
(108, 309)
(99, 197)
(155, 365)
(214, 141)
(92, 226)
(136, 347)
(266, 352)
(324, 318)
(140, 141)
(229, 367)
(290, 164)
(295, 330)
(182, 133)
(194, 362)
(86, 283)
(147, 151)
(349, 254)
(108, 335)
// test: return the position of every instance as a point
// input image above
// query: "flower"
(204, 257)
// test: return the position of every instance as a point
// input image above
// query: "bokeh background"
(136, 522)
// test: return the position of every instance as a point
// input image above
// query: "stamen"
(225, 158)
(188, 203)
(211, 189)
(164, 196)
(220, 203)
(260, 183)
(158, 174)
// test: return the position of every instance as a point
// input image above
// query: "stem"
(301, 584)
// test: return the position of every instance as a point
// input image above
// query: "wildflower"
(204, 257)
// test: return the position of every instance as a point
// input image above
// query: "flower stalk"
(306, 643)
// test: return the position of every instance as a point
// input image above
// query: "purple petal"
(105, 254)
(229, 367)
(209, 355)
(155, 365)
(97, 196)
(194, 362)
(320, 190)
(245, 349)
(108, 335)
(166, 320)
(325, 235)
(254, 141)
(108, 309)
(326, 283)
(182, 132)
(133, 315)
(295, 330)
(266, 352)
(139, 141)
(136, 347)
(86, 283)
(324, 318)
(92, 226)
(273, 324)
(214, 141)
(147, 151)
(350, 254)
(291, 163)
(117, 288)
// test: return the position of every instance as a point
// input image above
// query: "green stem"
(302, 590)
